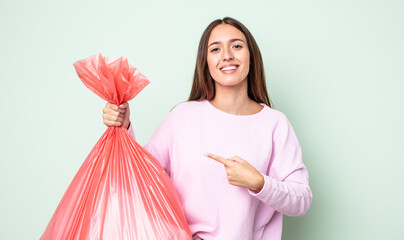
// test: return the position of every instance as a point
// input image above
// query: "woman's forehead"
(225, 33)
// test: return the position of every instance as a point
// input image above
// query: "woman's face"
(228, 56)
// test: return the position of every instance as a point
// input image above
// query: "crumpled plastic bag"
(120, 191)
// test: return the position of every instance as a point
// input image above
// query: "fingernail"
(206, 154)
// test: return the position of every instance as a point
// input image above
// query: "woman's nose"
(227, 55)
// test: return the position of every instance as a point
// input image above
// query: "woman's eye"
(238, 46)
(214, 50)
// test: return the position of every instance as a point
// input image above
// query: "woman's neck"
(234, 101)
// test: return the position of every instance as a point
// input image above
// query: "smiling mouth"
(229, 68)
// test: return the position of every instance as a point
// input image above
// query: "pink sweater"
(215, 209)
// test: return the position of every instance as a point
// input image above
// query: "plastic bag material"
(120, 191)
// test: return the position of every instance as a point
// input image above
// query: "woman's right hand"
(114, 115)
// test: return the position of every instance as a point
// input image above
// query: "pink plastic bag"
(121, 191)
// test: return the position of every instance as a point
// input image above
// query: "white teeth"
(228, 68)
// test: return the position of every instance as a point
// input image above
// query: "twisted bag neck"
(113, 79)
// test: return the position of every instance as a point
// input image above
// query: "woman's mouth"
(229, 69)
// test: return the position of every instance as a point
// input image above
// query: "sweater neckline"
(234, 115)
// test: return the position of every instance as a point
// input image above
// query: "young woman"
(235, 162)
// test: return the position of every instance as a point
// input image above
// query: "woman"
(227, 122)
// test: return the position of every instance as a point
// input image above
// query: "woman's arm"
(159, 143)
(285, 187)
(286, 184)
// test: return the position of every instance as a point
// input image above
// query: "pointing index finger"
(217, 158)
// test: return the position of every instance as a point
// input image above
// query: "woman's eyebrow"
(231, 40)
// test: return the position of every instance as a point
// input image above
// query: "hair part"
(203, 86)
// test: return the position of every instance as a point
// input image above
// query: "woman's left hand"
(240, 172)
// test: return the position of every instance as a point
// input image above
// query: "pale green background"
(333, 67)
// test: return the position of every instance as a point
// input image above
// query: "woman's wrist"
(259, 184)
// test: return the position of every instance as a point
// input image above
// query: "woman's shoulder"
(189, 104)
(187, 107)
(273, 114)
(280, 122)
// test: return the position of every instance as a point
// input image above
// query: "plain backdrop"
(335, 68)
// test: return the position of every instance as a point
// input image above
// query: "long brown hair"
(203, 86)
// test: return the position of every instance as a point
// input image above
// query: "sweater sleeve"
(286, 186)
(160, 142)
(131, 132)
